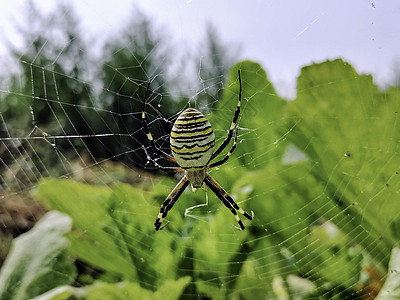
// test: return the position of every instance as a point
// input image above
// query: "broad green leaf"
(350, 131)
(37, 261)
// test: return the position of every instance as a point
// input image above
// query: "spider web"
(322, 192)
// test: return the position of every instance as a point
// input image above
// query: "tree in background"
(214, 61)
(49, 94)
(136, 56)
(53, 93)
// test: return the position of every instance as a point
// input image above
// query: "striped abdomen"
(192, 139)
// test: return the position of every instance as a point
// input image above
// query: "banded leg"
(169, 202)
(234, 122)
(227, 200)
(147, 129)
(162, 168)
(222, 161)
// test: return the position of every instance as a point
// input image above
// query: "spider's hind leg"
(170, 201)
(227, 200)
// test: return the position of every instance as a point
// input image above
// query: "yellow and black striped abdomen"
(192, 139)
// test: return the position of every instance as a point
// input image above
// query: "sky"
(282, 35)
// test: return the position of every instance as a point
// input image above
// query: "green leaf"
(87, 206)
(113, 230)
(350, 131)
(37, 261)
(261, 112)
(391, 288)
(223, 256)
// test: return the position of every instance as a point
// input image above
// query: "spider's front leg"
(170, 201)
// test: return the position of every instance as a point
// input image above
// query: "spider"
(192, 143)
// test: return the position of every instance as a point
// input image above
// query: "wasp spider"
(192, 143)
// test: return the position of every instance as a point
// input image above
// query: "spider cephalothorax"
(192, 143)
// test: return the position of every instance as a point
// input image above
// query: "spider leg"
(222, 161)
(233, 125)
(162, 168)
(170, 201)
(147, 129)
(227, 200)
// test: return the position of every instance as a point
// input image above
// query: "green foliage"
(348, 130)
(326, 217)
(118, 220)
